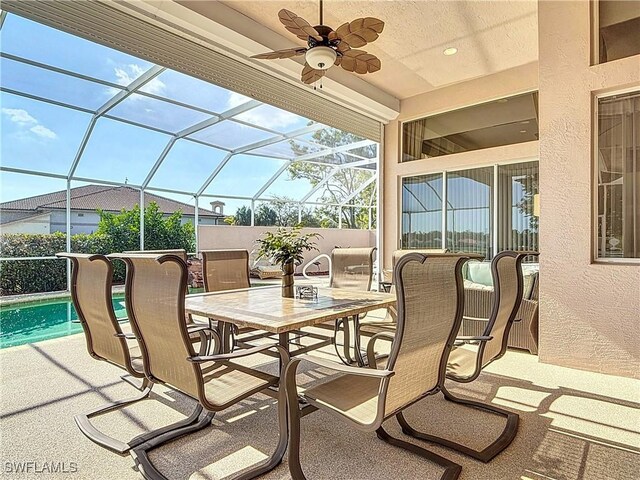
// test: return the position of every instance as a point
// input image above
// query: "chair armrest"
(128, 336)
(233, 355)
(338, 367)
(371, 354)
(461, 340)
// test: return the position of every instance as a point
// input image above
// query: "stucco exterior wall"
(36, 225)
(226, 236)
(589, 313)
(510, 82)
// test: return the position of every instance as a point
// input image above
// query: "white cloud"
(25, 120)
(125, 74)
(43, 132)
(19, 116)
(273, 118)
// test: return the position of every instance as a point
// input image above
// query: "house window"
(478, 210)
(502, 122)
(618, 177)
(616, 34)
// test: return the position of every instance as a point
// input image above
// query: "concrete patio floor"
(574, 425)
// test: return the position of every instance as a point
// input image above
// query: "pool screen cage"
(232, 132)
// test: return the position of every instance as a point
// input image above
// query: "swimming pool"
(32, 322)
(36, 321)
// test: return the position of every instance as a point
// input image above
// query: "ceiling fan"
(327, 47)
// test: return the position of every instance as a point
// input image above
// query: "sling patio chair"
(181, 252)
(155, 295)
(227, 270)
(430, 305)
(471, 354)
(108, 340)
(351, 269)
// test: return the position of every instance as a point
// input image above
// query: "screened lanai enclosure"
(78, 114)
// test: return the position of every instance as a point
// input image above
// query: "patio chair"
(430, 304)
(181, 252)
(91, 283)
(225, 270)
(351, 269)
(263, 268)
(471, 354)
(155, 295)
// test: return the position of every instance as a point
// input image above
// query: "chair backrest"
(430, 299)
(506, 270)
(352, 268)
(91, 282)
(181, 252)
(225, 269)
(155, 289)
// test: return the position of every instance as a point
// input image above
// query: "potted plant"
(285, 247)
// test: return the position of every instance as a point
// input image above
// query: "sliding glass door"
(482, 210)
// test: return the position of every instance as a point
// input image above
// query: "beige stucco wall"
(589, 313)
(212, 237)
(510, 82)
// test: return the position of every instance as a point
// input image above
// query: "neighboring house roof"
(18, 216)
(108, 198)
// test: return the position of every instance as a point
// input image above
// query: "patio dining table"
(264, 308)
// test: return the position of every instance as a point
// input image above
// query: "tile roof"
(108, 198)
(17, 216)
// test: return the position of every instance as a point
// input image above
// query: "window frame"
(459, 107)
(595, 97)
(494, 204)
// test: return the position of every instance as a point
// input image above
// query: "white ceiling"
(490, 36)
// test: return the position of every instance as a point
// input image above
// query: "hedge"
(33, 276)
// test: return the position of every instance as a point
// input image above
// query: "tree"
(160, 233)
(281, 212)
(344, 182)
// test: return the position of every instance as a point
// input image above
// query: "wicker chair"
(155, 292)
(524, 333)
(107, 340)
(430, 303)
(472, 353)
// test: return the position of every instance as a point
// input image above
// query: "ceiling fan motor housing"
(321, 57)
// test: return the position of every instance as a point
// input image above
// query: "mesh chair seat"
(462, 361)
(350, 396)
(224, 382)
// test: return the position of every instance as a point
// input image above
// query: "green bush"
(116, 233)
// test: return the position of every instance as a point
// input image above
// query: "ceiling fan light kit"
(327, 47)
(320, 58)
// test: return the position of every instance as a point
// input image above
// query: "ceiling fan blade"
(288, 53)
(310, 75)
(359, 61)
(298, 25)
(360, 31)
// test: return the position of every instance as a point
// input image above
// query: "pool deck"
(574, 425)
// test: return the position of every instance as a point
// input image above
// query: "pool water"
(34, 322)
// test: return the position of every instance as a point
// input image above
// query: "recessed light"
(502, 100)
(450, 51)
(525, 122)
(523, 131)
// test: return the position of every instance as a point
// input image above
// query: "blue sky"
(44, 137)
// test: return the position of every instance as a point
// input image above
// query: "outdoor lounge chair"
(91, 283)
(262, 268)
(472, 353)
(430, 305)
(155, 295)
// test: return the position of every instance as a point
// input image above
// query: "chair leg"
(95, 435)
(503, 441)
(293, 414)
(150, 472)
(451, 470)
(347, 359)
